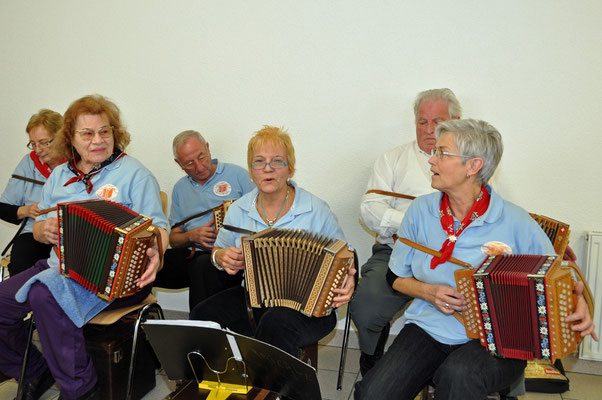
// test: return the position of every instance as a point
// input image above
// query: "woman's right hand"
(447, 299)
(30, 211)
(230, 259)
(50, 231)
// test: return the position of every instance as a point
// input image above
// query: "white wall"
(340, 75)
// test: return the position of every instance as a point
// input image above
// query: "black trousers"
(26, 251)
(285, 328)
(196, 273)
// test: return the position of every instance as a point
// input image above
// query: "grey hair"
(475, 138)
(184, 136)
(454, 109)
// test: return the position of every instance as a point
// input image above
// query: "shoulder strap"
(393, 194)
(432, 252)
(26, 179)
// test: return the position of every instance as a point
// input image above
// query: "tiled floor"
(585, 376)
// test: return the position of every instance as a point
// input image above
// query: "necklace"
(271, 222)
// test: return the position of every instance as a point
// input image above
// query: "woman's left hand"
(584, 324)
(345, 293)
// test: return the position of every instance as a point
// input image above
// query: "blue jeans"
(464, 371)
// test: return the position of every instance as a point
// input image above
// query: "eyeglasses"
(437, 152)
(88, 134)
(276, 164)
(39, 145)
(190, 164)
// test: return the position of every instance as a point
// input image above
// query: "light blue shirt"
(503, 222)
(307, 212)
(229, 182)
(21, 193)
(133, 186)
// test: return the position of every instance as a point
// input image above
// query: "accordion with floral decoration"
(517, 305)
(102, 246)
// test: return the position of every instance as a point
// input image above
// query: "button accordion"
(517, 305)
(102, 246)
(295, 269)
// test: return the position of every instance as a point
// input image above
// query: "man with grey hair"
(402, 170)
(206, 185)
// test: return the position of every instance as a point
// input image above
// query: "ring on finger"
(447, 305)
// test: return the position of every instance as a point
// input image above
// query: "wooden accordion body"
(295, 269)
(219, 213)
(517, 305)
(558, 232)
(102, 246)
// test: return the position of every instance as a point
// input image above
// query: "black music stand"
(201, 350)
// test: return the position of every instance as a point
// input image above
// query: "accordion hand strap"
(587, 293)
(393, 194)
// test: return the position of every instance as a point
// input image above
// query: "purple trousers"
(63, 342)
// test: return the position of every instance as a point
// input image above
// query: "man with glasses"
(402, 170)
(206, 185)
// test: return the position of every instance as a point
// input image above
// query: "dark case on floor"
(110, 347)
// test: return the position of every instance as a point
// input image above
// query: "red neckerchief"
(85, 178)
(447, 223)
(40, 166)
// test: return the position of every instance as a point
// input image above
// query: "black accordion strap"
(12, 241)
(192, 217)
(238, 230)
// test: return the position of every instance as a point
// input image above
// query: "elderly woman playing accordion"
(24, 189)
(276, 202)
(461, 219)
(94, 140)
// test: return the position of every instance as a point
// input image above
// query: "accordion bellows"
(517, 305)
(102, 246)
(295, 269)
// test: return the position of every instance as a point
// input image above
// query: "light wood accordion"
(295, 269)
(102, 246)
(517, 305)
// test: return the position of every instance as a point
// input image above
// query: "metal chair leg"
(25, 358)
(344, 349)
(139, 319)
(347, 327)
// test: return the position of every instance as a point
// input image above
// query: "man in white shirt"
(403, 170)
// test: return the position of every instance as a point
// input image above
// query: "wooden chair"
(143, 309)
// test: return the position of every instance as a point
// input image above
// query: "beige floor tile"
(329, 358)
(572, 363)
(328, 383)
(584, 387)
(540, 396)
(8, 390)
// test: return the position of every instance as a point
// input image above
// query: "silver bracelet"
(214, 261)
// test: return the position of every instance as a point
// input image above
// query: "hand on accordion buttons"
(447, 299)
(204, 234)
(230, 259)
(581, 315)
(345, 293)
(154, 262)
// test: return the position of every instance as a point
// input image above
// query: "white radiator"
(589, 349)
